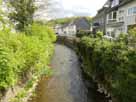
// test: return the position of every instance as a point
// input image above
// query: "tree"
(4, 21)
(22, 13)
(0, 12)
(46, 9)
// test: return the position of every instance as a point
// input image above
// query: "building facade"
(119, 16)
(127, 14)
(99, 21)
(73, 27)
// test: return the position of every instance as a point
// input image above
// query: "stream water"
(67, 83)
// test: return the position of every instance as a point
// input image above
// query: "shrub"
(99, 34)
(22, 53)
(111, 63)
(7, 77)
(82, 33)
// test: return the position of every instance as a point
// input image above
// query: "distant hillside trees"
(65, 20)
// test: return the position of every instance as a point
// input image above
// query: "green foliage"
(132, 38)
(59, 21)
(65, 20)
(99, 34)
(22, 13)
(112, 63)
(41, 30)
(6, 69)
(22, 53)
(4, 22)
(82, 33)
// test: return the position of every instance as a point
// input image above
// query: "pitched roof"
(65, 25)
(79, 22)
(124, 2)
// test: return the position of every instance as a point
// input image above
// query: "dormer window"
(114, 3)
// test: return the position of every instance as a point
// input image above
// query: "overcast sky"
(78, 7)
(68, 8)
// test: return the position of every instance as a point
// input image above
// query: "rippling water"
(66, 84)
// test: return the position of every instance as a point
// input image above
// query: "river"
(67, 83)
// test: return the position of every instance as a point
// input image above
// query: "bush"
(22, 53)
(7, 77)
(82, 33)
(99, 34)
(111, 63)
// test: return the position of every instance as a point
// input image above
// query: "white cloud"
(83, 6)
(68, 8)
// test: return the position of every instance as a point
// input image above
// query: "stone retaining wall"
(68, 41)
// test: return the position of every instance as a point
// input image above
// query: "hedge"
(112, 63)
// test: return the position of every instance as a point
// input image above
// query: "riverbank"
(68, 83)
(110, 64)
(24, 57)
(74, 43)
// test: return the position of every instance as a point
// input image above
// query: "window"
(134, 10)
(108, 34)
(121, 19)
(113, 34)
(131, 11)
(114, 15)
(121, 11)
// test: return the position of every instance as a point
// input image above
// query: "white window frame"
(112, 16)
(128, 11)
(133, 14)
(134, 9)
(121, 18)
(121, 11)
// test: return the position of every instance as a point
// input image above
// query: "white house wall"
(72, 30)
(128, 20)
(69, 30)
(124, 18)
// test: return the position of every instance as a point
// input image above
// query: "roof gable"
(124, 2)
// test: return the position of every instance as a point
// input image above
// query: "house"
(99, 21)
(112, 24)
(69, 29)
(120, 15)
(58, 29)
(127, 15)
(106, 18)
(73, 27)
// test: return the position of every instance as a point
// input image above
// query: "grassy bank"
(24, 55)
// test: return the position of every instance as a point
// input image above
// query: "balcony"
(110, 21)
(114, 22)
